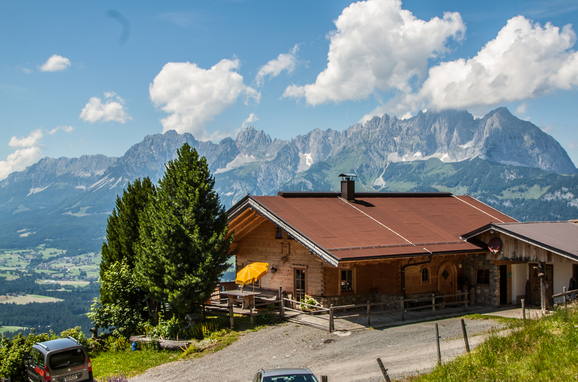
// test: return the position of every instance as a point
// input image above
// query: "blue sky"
(82, 78)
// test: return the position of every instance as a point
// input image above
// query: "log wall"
(260, 245)
(517, 250)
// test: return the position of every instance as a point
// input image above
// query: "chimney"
(348, 187)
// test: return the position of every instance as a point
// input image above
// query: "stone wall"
(486, 295)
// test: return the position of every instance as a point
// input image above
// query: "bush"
(12, 353)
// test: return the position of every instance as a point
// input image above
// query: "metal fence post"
(383, 370)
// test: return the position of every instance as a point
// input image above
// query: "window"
(483, 276)
(37, 357)
(347, 280)
(425, 275)
(279, 233)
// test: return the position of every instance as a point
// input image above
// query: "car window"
(67, 358)
(291, 378)
(37, 357)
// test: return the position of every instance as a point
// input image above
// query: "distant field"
(4, 329)
(75, 283)
(27, 299)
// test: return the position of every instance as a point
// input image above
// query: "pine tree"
(183, 248)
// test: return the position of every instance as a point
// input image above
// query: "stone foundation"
(486, 295)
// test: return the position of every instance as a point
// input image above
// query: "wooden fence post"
(323, 378)
(281, 304)
(368, 313)
(564, 297)
(465, 334)
(524, 310)
(433, 302)
(231, 313)
(383, 370)
(438, 345)
(402, 308)
(331, 328)
(251, 314)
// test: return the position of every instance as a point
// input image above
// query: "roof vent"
(348, 187)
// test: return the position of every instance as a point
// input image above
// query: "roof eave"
(249, 202)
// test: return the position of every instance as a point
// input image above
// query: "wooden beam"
(241, 222)
(249, 227)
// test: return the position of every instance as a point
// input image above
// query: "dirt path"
(342, 356)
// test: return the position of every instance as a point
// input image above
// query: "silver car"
(298, 374)
(61, 360)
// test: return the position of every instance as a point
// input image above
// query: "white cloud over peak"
(378, 46)
(524, 61)
(28, 154)
(55, 63)
(112, 110)
(252, 118)
(285, 61)
(193, 96)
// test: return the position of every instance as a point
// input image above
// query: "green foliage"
(122, 228)
(12, 353)
(183, 249)
(544, 350)
(166, 329)
(125, 312)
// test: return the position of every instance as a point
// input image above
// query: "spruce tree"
(183, 248)
(122, 302)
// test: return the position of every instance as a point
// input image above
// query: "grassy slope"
(545, 350)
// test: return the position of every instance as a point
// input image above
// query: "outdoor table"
(248, 297)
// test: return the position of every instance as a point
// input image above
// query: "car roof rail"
(73, 339)
(44, 346)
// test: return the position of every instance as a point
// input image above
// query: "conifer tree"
(122, 302)
(183, 248)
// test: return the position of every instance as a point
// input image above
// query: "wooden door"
(299, 284)
(447, 280)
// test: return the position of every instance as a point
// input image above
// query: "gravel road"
(342, 356)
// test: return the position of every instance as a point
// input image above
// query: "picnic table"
(248, 297)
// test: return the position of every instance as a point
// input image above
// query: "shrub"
(12, 353)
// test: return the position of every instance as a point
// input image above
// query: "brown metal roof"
(378, 226)
(557, 237)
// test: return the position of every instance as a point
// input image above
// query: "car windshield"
(67, 358)
(291, 378)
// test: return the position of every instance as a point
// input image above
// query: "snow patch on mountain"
(240, 160)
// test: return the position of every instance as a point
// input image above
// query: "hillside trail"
(343, 356)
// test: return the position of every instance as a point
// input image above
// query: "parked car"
(61, 360)
(298, 374)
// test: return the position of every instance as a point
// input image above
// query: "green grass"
(544, 350)
(4, 329)
(129, 363)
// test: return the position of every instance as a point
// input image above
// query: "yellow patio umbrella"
(251, 273)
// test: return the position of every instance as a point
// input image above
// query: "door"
(299, 285)
(535, 298)
(503, 284)
(447, 280)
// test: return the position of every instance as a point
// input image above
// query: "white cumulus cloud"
(112, 110)
(285, 61)
(378, 46)
(33, 139)
(28, 154)
(524, 61)
(55, 63)
(193, 96)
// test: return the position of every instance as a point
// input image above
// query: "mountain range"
(505, 162)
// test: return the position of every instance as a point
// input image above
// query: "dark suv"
(61, 360)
